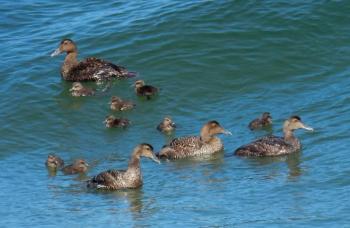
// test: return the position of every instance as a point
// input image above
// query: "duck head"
(168, 122)
(294, 123)
(66, 45)
(77, 86)
(139, 83)
(266, 117)
(211, 129)
(146, 150)
(80, 165)
(115, 100)
(53, 161)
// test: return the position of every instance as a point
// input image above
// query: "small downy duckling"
(112, 121)
(122, 179)
(79, 166)
(166, 126)
(144, 90)
(272, 145)
(119, 104)
(205, 144)
(78, 90)
(54, 162)
(90, 69)
(264, 121)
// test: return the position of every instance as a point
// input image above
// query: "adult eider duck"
(90, 69)
(143, 90)
(121, 179)
(272, 145)
(119, 104)
(79, 166)
(112, 121)
(205, 144)
(264, 121)
(166, 126)
(78, 90)
(54, 162)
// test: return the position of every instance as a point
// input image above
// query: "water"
(223, 60)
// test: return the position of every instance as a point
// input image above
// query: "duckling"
(144, 90)
(90, 69)
(54, 162)
(121, 179)
(120, 105)
(78, 90)
(166, 126)
(272, 145)
(190, 146)
(264, 121)
(79, 166)
(112, 121)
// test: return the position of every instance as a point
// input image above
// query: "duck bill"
(226, 132)
(56, 52)
(155, 159)
(307, 127)
(173, 125)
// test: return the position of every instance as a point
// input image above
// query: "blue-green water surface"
(223, 60)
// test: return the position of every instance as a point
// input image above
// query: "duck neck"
(205, 136)
(69, 62)
(288, 135)
(134, 163)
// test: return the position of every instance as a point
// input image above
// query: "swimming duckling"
(121, 179)
(264, 121)
(54, 162)
(79, 166)
(90, 69)
(272, 145)
(144, 90)
(166, 126)
(120, 105)
(190, 146)
(78, 90)
(112, 121)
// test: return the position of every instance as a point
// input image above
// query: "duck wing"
(265, 146)
(148, 90)
(93, 69)
(106, 180)
(181, 147)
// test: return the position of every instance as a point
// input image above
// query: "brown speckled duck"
(79, 166)
(119, 104)
(191, 146)
(54, 162)
(166, 126)
(144, 90)
(272, 145)
(90, 69)
(112, 121)
(78, 90)
(121, 179)
(264, 121)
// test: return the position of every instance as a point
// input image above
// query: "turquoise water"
(223, 60)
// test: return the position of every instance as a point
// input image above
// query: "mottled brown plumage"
(144, 90)
(264, 121)
(166, 126)
(79, 166)
(273, 145)
(54, 162)
(78, 90)
(90, 69)
(206, 143)
(112, 121)
(119, 104)
(121, 179)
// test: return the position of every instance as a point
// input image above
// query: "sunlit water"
(223, 60)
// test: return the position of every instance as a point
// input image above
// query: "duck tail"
(131, 74)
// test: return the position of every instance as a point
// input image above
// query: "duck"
(190, 146)
(54, 162)
(118, 104)
(90, 69)
(166, 126)
(79, 166)
(112, 121)
(78, 90)
(264, 121)
(143, 90)
(123, 179)
(274, 146)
